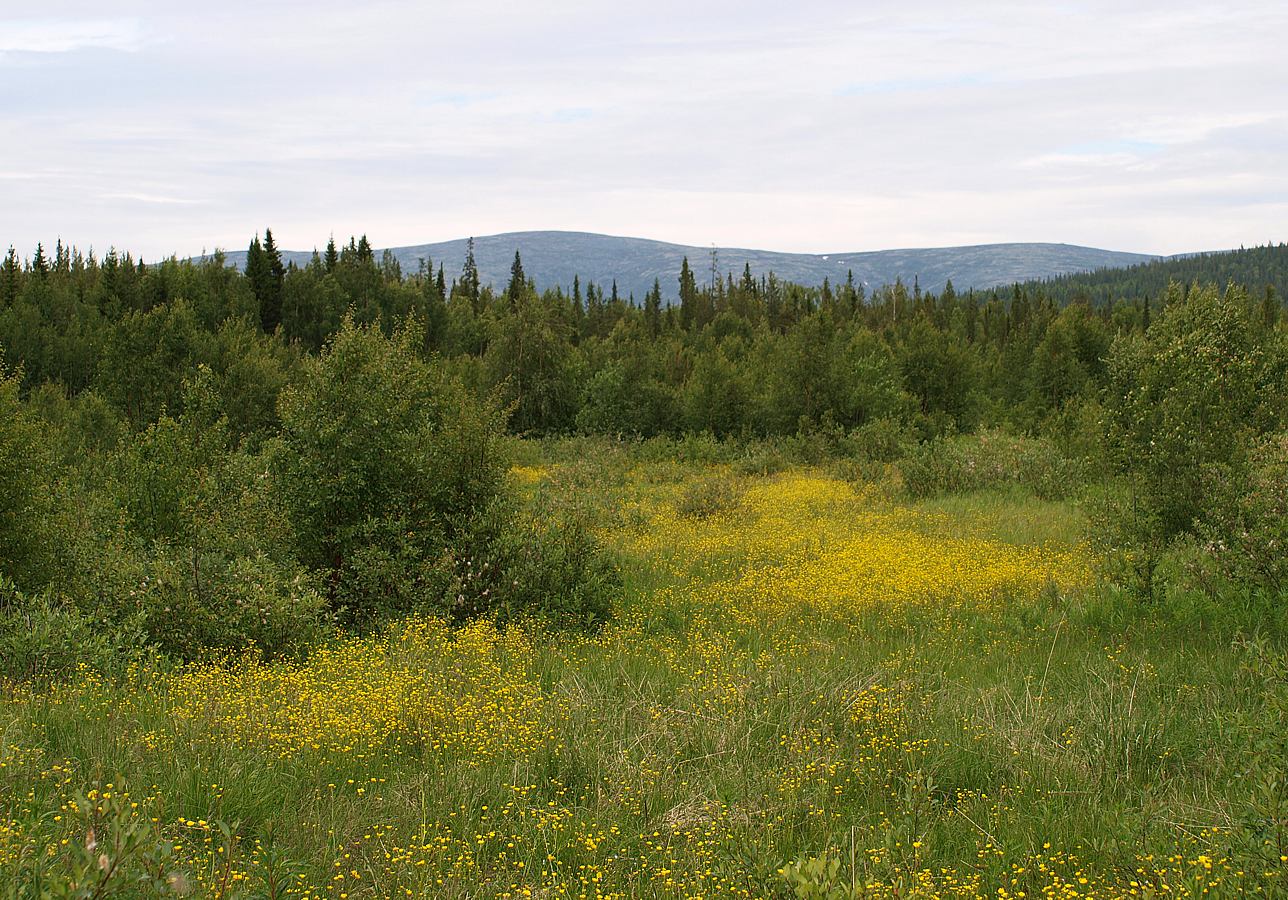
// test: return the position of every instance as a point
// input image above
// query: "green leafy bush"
(43, 639)
(1247, 531)
(381, 465)
(26, 500)
(198, 563)
(718, 493)
(1191, 395)
(990, 459)
(393, 478)
(545, 565)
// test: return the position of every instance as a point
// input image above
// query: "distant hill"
(554, 257)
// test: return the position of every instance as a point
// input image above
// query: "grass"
(913, 696)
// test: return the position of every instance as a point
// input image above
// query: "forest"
(215, 481)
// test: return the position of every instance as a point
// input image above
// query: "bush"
(26, 503)
(546, 566)
(198, 564)
(1189, 403)
(880, 440)
(190, 603)
(1247, 531)
(989, 460)
(393, 478)
(42, 639)
(712, 495)
(1189, 397)
(382, 466)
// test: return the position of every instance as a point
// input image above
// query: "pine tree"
(653, 309)
(470, 276)
(365, 254)
(39, 266)
(1269, 308)
(578, 309)
(332, 257)
(256, 271)
(688, 295)
(10, 273)
(518, 283)
(270, 293)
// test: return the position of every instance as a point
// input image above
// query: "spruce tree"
(688, 295)
(470, 276)
(10, 273)
(653, 309)
(39, 266)
(332, 257)
(256, 271)
(270, 295)
(578, 310)
(518, 283)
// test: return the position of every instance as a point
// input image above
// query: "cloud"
(135, 197)
(822, 125)
(47, 36)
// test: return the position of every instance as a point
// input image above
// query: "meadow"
(814, 686)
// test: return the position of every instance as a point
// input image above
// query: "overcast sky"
(808, 126)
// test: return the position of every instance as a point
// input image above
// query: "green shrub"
(1189, 397)
(1247, 531)
(393, 478)
(43, 639)
(26, 501)
(545, 564)
(990, 459)
(716, 494)
(382, 465)
(880, 440)
(198, 562)
(190, 603)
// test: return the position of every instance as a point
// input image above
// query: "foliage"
(543, 564)
(42, 639)
(1187, 404)
(987, 460)
(25, 490)
(1247, 530)
(383, 467)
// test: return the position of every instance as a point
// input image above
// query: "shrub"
(712, 495)
(989, 460)
(191, 602)
(1191, 395)
(393, 478)
(43, 639)
(546, 565)
(25, 491)
(880, 440)
(198, 561)
(1247, 531)
(382, 466)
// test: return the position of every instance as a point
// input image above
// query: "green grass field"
(812, 689)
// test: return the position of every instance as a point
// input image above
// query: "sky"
(172, 128)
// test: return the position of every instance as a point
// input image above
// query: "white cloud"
(60, 36)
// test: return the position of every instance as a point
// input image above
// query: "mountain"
(554, 257)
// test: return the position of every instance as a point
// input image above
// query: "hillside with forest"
(556, 258)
